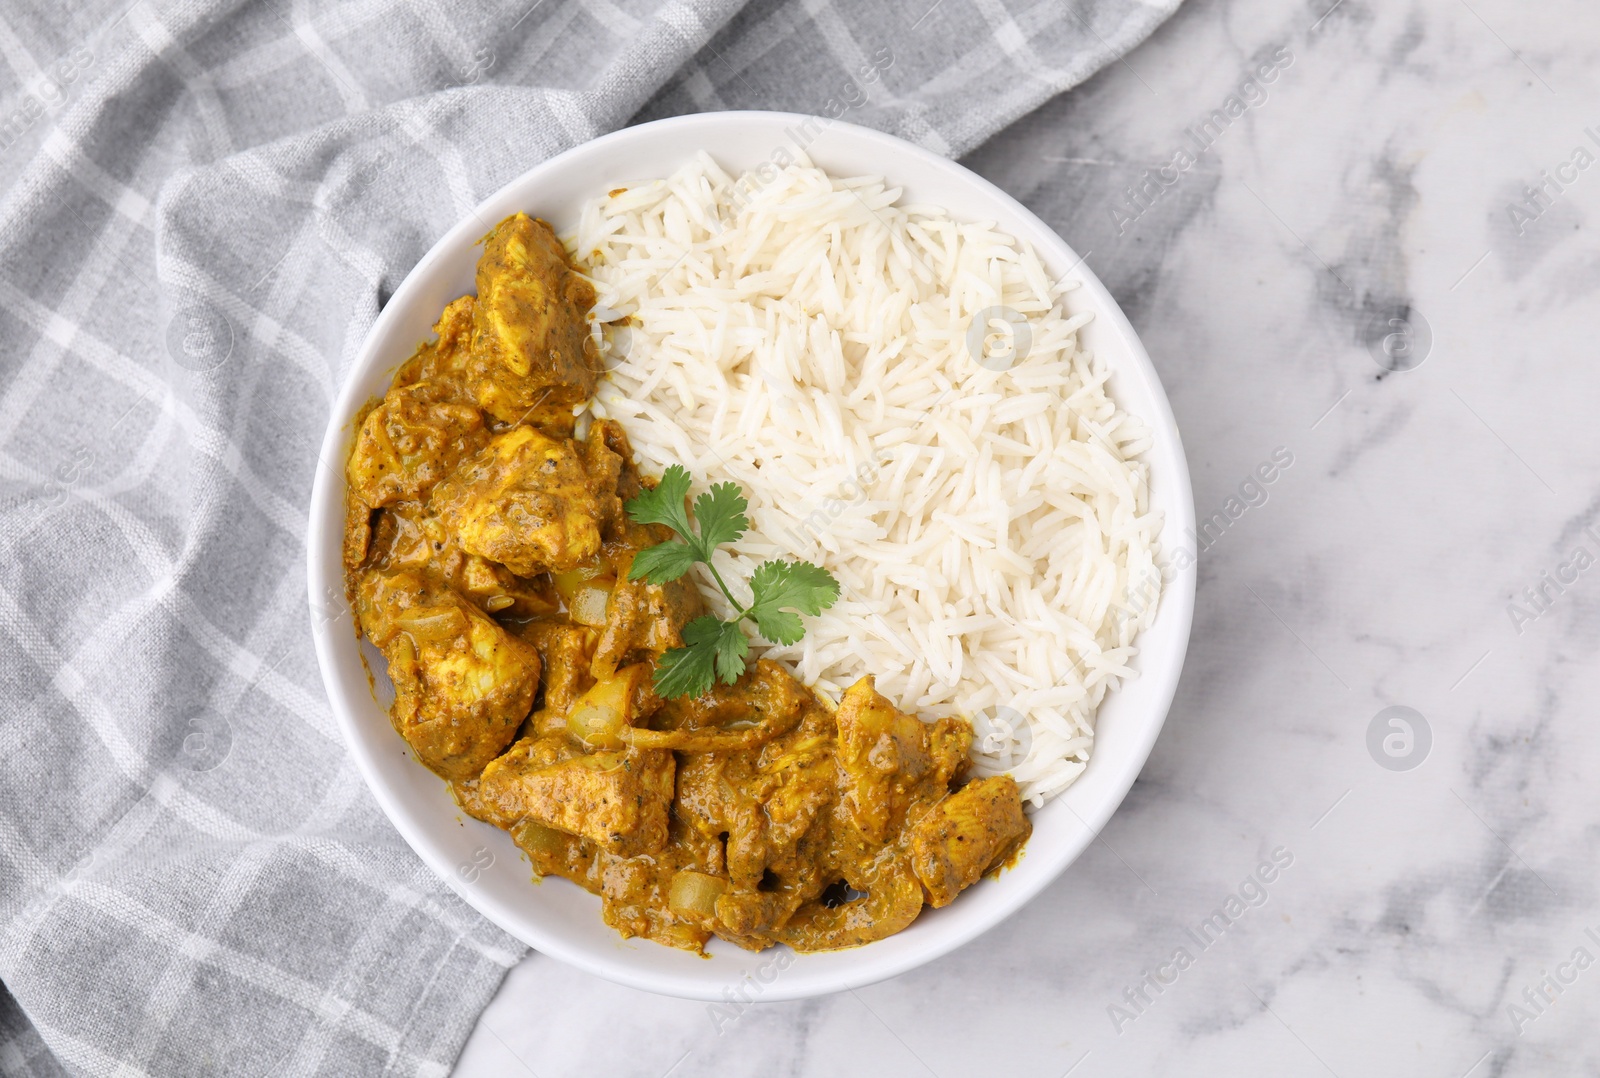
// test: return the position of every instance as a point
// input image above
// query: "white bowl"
(480, 862)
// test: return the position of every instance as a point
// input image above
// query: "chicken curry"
(487, 556)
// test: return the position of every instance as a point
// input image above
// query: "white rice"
(807, 338)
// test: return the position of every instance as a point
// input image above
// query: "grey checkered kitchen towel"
(205, 204)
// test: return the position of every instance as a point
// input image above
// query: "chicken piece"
(465, 793)
(751, 916)
(804, 785)
(607, 434)
(490, 585)
(407, 537)
(788, 840)
(891, 902)
(606, 456)
(399, 539)
(530, 502)
(617, 800)
(565, 651)
(642, 616)
(768, 806)
(447, 360)
(635, 893)
(891, 759)
(530, 333)
(764, 812)
(450, 365)
(411, 441)
(765, 695)
(969, 833)
(462, 683)
(501, 802)
(493, 587)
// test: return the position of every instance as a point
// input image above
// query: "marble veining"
(1431, 907)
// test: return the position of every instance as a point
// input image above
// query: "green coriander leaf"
(663, 563)
(690, 670)
(778, 586)
(664, 505)
(781, 591)
(720, 514)
(684, 672)
(731, 647)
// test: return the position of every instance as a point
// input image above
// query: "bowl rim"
(325, 575)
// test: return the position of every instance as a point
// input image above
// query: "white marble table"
(1423, 910)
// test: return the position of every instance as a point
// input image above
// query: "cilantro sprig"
(780, 591)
